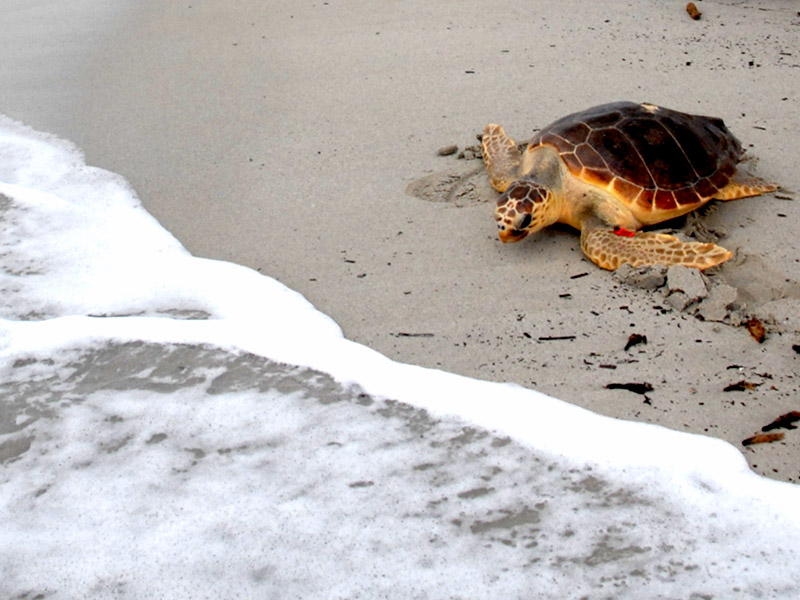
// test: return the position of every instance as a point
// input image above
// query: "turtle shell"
(649, 157)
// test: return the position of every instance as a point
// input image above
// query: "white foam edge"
(698, 466)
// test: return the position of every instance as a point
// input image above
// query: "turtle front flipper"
(609, 249)
(501, 156)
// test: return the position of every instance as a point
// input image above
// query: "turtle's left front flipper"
(609, 249)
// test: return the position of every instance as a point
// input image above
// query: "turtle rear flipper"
(501, 156)
(745, 186)
(609, 249)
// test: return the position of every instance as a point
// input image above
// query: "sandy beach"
(300, 139)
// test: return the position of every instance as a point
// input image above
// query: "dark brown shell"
(651, 156)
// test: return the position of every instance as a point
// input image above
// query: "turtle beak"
(509, 236)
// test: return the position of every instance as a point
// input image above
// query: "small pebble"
(447, 150)
(686, 280)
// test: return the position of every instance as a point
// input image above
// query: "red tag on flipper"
(624, 232)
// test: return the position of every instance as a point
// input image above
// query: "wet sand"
(292, 139)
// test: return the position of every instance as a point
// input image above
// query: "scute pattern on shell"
(658, 158)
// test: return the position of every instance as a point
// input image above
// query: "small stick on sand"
(762, 438)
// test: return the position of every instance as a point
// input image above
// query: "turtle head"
(524, 208)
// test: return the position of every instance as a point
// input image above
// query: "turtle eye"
(526, 220)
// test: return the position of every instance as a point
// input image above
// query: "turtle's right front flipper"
(609, 249)
(501, 156)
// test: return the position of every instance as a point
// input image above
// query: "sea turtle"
(612, 169)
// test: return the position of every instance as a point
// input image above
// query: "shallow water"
(179, 427)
